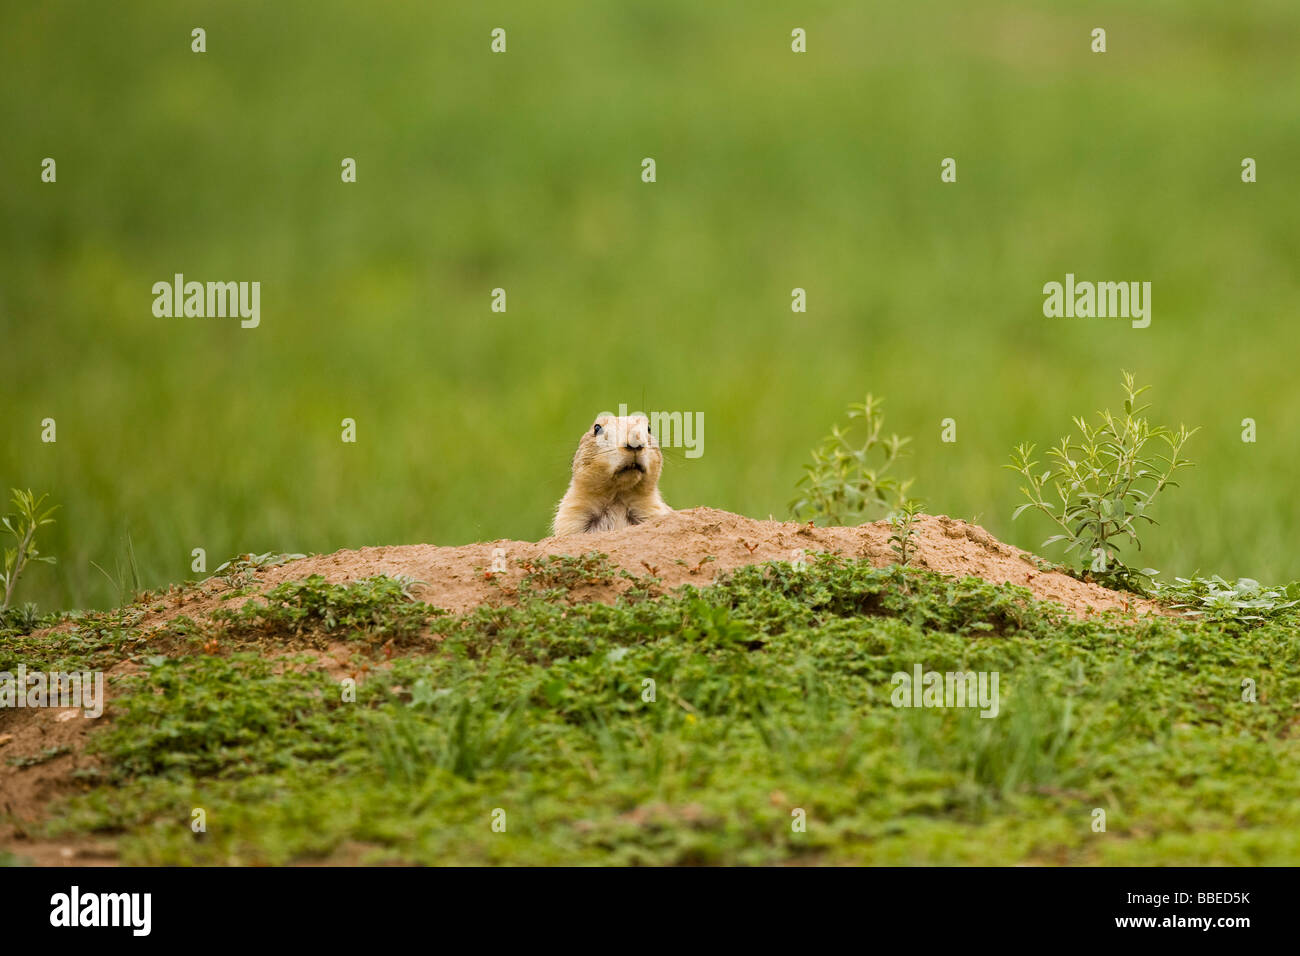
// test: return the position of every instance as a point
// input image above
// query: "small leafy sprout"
(698, 567)
(22, 525)
(1105, 479)
(903, 523)
(848, 481)
(20, 620)
(242, 569)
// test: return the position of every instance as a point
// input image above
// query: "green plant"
(28, 517)
(378, 607)
(33, 760)
(566, 571)
(1246, 601)
(554, 577)
(842, 485)
(1105, 478)
(126, 576)
(467, 729)
(206, 716)
(903, 523)
(1043, 737)
(19, 620)
(242, 569)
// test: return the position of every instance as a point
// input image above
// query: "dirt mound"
(687, 547)
(693, 547)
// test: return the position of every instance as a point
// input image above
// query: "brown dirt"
(26, 791)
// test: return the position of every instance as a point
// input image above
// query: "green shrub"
(848, 481)
(23, 524)
(1105, 479)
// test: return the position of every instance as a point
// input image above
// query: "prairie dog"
(615, 478)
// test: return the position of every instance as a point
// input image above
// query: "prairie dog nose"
(636, 438)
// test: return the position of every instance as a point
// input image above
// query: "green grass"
(819, 171)
(772, 694)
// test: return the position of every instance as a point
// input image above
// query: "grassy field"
(771, 704)
(522, 171)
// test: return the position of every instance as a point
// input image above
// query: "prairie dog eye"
(597, 430)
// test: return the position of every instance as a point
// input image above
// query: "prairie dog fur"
(615, 478)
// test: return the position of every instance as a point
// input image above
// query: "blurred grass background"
(522, 171)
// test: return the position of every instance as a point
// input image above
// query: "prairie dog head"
(615, 478)
(620, 454)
